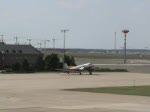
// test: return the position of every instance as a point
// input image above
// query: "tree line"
(49, 63)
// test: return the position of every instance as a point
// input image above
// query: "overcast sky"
(91, 23)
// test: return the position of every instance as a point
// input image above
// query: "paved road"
(43, 93)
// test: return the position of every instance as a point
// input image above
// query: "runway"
(43, 92)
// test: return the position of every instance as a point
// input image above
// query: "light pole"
(64, 31)
(45, 45)
(29, 41)
(54, 44)
(40, 45)
(16, 38)
(125, 34)
(2, 38)
(115, 44)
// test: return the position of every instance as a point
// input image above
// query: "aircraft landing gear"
(90, 72)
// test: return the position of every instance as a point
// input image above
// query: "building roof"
(18, 49)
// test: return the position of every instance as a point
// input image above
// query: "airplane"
(78, 69)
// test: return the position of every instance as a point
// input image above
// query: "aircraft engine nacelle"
(82, 68)
(90, 68)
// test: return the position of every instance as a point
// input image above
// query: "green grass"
(106, 56)
(132, 90)
(109, 70)
(109, 56)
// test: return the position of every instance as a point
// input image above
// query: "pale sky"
(91, 23)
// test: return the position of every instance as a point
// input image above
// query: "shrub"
(39, 65)
(16, 67)
(70, 61)
(52, 62)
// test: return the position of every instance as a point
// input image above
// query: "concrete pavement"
(42, 92)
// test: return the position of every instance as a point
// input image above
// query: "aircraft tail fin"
(66, 66)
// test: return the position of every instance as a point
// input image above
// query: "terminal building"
(12, 53)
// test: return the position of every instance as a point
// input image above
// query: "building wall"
(10, 59)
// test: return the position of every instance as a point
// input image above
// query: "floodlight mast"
(115, 44)
(2, 40)
(40, 45)
(64, 31)
(45, 45)
(29, 41)
(16, 38)
(125, 34)
(54, 41)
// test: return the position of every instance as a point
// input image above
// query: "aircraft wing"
(71, 71)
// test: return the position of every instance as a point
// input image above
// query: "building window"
(20, 51)
(13, 51)
(7, 51)
(1, 52)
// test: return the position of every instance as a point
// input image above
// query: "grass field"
(105, 55)
(132, 90)
(108, 56)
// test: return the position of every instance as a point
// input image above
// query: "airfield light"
(125, 34)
